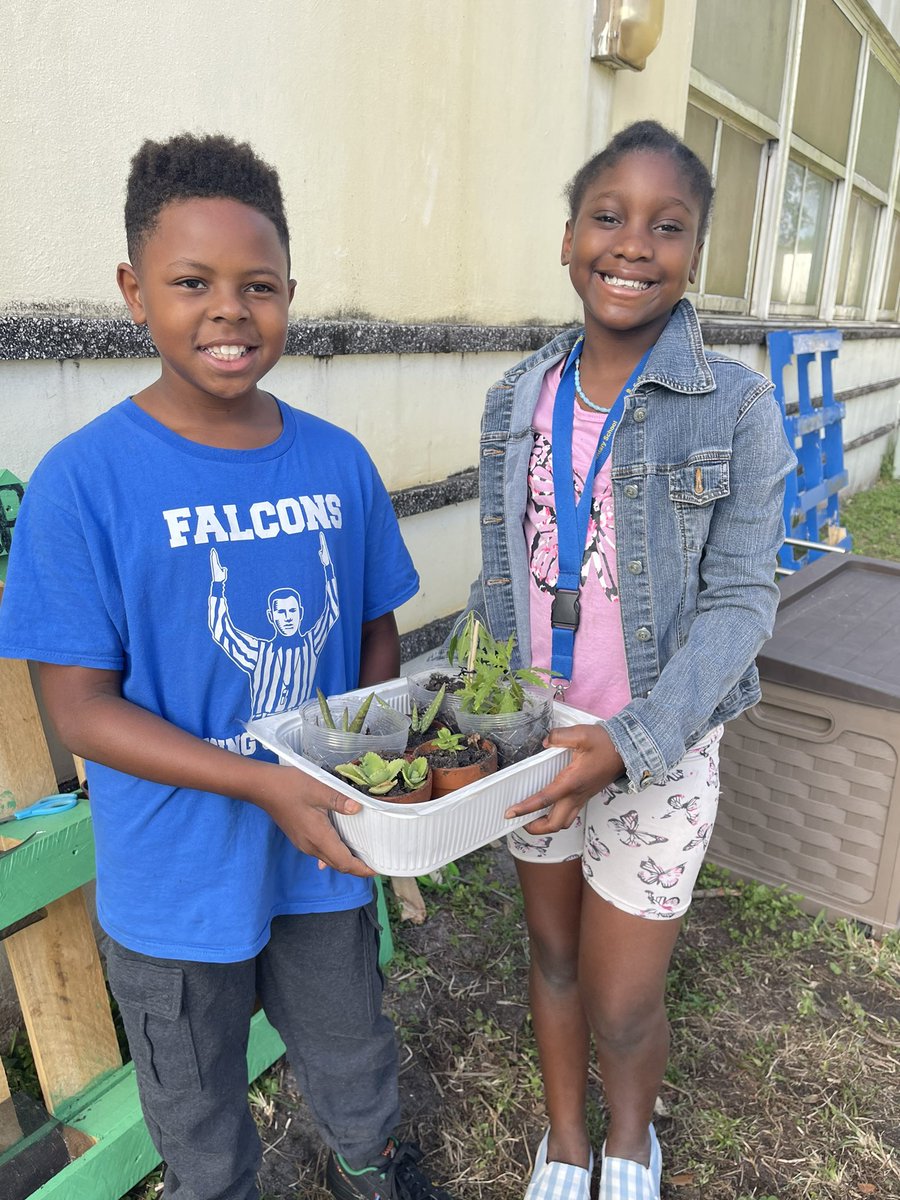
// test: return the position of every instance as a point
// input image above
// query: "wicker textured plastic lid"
(837, 632)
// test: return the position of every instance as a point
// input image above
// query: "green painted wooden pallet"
(58, 860)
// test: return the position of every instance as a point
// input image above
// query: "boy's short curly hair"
(189, 167)
(647, 137)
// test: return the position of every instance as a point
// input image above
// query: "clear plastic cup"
(423, 696)
(517, 735)
(385, 731)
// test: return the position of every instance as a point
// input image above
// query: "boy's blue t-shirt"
(197, 572)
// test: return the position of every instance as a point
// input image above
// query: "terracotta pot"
(449, 779)
(419, 796)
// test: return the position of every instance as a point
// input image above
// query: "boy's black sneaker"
(397, 1178)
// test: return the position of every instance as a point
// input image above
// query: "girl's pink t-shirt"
(600, 672)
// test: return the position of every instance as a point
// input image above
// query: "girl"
(649, 600)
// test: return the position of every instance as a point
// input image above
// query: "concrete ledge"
(56, 336)
(62, 337)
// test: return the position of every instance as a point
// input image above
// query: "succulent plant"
(414, 773)
(348, 726)
(420, 722)
(378, 776)
(450, 743)
(372, 773)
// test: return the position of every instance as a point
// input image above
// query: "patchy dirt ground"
(784, 1080)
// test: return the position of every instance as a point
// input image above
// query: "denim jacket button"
(644, 634)
(640, 414)
(635, 566)
(631, 490)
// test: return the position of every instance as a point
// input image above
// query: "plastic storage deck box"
(810, 780)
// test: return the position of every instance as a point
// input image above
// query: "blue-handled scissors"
(48, 807)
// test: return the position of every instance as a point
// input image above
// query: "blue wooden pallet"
(816, 433)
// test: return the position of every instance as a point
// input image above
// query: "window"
(802, 237)
(875, 152)
(856, 260)
(826, 82)
(795, 108)
(749, 59)
(736, 163)
(890, 299)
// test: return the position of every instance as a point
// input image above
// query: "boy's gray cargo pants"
(188, 1024)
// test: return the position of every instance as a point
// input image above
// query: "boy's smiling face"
(211, 283)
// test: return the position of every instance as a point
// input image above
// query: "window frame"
(785, 308)
(784, 145)
(713, 302)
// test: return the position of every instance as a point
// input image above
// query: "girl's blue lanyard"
(571, 519)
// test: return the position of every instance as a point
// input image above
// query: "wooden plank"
(58, 860)
(10, 1129)
(26, 770)
(56, 970)
(80, 770)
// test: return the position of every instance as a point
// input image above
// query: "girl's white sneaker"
(624, 1179)
(557, 1180)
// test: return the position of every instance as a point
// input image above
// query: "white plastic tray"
(414, 839)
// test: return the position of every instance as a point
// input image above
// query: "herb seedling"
(491, 686)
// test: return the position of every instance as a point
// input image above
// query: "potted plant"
(406, 780)
(424, 686)
(342, 729)
(457, 759)
(513, 708)
(423, 723)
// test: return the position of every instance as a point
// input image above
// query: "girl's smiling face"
(633, 246)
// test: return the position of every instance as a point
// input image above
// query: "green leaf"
(381, 789)
(450, 743)
(415, 773)
(356, 724)
(352, 772)
(430, 712)
(326, 711)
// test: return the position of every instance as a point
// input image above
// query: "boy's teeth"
(227, 352)
(639, 285)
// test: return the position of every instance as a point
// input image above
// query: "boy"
(208, 884)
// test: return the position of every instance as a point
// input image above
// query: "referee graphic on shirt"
(281, 668)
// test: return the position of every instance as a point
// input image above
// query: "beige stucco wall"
(422, 145)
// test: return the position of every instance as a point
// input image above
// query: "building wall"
(423, 147)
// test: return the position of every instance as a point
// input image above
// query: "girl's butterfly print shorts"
(641, 851)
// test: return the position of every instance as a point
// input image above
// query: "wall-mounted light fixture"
(626, 31)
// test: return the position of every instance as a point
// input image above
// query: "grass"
(873, 517)
(783, 1081)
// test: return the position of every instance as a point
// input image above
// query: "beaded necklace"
(580, 393)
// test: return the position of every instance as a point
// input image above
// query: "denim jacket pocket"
(693, 488)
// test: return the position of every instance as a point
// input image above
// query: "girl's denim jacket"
(698, 468)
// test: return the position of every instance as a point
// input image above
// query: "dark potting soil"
(453, 683)
(445, 760)
(416, 739)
